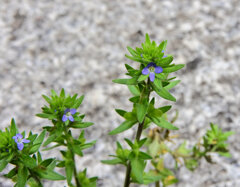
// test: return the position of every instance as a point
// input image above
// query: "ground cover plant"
(145, 156)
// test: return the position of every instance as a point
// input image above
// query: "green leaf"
(13, 128)
(129, 143)
(225, 154)
(154, 148)
(132, 81)
(131, 51)
(69, 170)
(121, 112)
(113, 161)
(151, 177)
(134, 90)
(131, 116)
(62, 93)
(137, 59)
(47, 162)
(172, 84)
(88, 145)
(142, 77)
(134, 99)
(123, 127)
(37, 142)
(161, 122)
(164, 109)
(78, 102)
(148, 41)
(22, 176)
(3, 164)
(77, 150)
(182, 151)
(49, 174)
(48, 116)
(144, 156)
(137, 166)
(141, 142)
(173, 68)
(141, 109)
(77, 124)
(164, 94)
(39, 157)
(11, 173)
(51, 138)
(49, 148)
(47, 99)
(191, 164)
(61, 164)
(28, 161)
(52, 165)
(129, 68)
(165, 61)
(162, 45)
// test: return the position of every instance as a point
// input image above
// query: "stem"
(157, 184)
(69, 143)
(128, 172)
(127, 177)
(138, 136)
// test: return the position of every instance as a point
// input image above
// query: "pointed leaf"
(172, 84)
(161, 122)
(3, 164)
(173, 68)
(121, 112)
(132, 81)
(22, 176)
(77, 124)
(28, 161)
(123, 127)
(137, 169)
(164, 109)
(113, 161)
(141, 109)
(143, 77)
(38, 142)
(134, 90)
(131, 51)
(49, 174)
(78, 102)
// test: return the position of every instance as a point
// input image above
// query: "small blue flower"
(19, 140)
(68, 114)
(151, 69)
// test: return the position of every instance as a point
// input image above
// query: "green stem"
(69, 143)
(138, 136)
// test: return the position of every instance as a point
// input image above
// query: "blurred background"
(80, 45)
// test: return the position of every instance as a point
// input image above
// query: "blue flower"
(68, 114)
(19, 140)
(151, 69)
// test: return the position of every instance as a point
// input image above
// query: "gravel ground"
(80, 46)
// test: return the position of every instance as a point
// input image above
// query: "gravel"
(80, 46)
